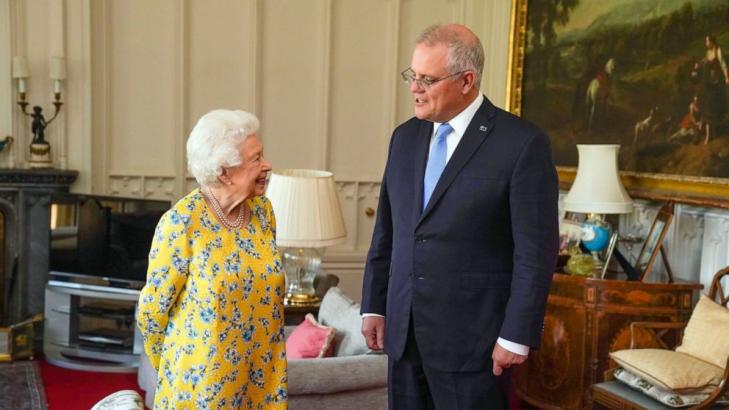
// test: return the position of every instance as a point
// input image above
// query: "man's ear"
(468, 79)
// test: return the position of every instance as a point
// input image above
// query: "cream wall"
(322, 75)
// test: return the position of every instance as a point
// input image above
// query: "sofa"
(354, 378)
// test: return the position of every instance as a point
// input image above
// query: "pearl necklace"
(243, 212)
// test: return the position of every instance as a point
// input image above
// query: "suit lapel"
(422, 143)
(480, 127)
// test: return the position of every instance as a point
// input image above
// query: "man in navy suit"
(466, 236)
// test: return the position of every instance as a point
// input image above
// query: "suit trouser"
(415, 386)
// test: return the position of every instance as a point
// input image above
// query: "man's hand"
(503, 359)
(373, 330)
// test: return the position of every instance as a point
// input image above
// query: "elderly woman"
(211, 312)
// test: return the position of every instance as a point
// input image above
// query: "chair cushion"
(670, 370)
(309, 340)
(667, 397)
(707, 333)
(342, 313)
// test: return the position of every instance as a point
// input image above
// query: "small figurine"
(39, 125)
(40, 149)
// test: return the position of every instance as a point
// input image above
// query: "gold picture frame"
(653, 244)
(686, 189)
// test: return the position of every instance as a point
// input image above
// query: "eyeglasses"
(408, 75)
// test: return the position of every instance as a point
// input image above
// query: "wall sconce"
(40, 149)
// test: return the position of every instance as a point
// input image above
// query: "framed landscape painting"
(650, 75)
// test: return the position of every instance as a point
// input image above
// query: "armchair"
(614, 394)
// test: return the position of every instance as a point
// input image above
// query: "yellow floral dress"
(211, 312)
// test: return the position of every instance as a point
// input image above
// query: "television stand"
(91, 327)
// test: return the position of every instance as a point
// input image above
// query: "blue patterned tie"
(436, 162)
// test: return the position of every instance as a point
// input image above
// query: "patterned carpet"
(21, 387)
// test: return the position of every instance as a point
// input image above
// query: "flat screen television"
(102, 236)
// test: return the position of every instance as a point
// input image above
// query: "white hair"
(214, 143)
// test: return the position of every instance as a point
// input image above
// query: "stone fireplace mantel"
(38, 177)
(25, 195)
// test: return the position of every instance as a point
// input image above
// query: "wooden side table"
(294, 315)
(585, 320)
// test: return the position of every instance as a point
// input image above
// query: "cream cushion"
(670, 370)
(342, 313)
(707, 333)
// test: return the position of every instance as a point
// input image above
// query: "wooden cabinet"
(585, 320)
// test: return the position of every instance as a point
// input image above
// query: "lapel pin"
(483, 128)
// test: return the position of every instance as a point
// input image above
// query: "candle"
(21, 85)
(57, 86)
(58, 68)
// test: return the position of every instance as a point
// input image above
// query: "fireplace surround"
(25, 195)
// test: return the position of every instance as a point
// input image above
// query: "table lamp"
(597, 191)
(308, 219)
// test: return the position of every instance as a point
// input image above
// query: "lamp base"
(300, 299)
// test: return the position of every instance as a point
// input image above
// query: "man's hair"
(463, 54)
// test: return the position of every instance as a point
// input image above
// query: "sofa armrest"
(147, 379)
(336, 374)
(146, 374)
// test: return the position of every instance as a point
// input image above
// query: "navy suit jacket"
(476, 264)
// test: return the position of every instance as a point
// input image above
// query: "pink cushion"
(310, 340)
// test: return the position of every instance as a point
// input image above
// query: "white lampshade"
(306, 207)
(597, 187)
(20, 67)
(58, 68)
